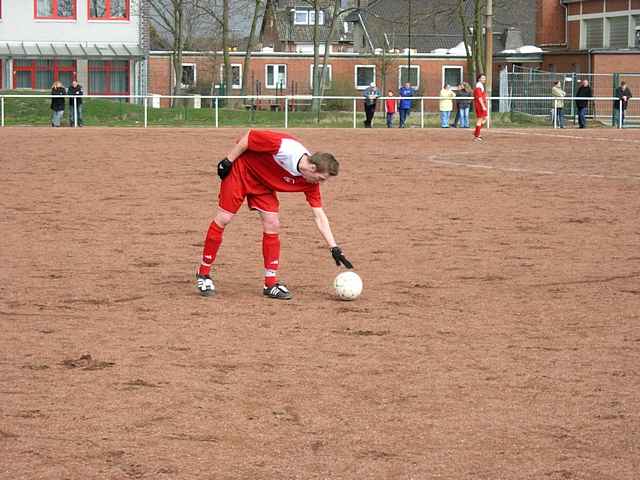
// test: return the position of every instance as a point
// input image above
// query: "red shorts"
(481, 113)
(241, 183)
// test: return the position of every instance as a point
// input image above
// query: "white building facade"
(99, 43)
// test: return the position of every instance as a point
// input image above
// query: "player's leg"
(267, 205)
(232, 194)
(271, 254)
(476, 133)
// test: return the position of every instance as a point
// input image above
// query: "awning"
(70, 50)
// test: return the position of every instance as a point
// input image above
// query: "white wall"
(19, 25)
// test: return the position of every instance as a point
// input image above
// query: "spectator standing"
(446, 105)
(370, 95)
(391, 106)
(75, 93)
(624, 94)
(405, 103)
(57, 103)
(558, 103)
(584, 91)
(463, 102)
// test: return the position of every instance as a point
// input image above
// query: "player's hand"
(224, 168)
(337, 255)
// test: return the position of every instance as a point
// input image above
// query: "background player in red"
(259, 165)
(480, 105)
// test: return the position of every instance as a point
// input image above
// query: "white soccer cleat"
(205, 285)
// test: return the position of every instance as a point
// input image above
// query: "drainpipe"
(566, 23)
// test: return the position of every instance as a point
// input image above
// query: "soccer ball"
(348, 285)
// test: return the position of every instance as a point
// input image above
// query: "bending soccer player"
(259, 165)
(480, 105)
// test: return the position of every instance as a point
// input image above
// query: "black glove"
(224, 168)
(340, 258)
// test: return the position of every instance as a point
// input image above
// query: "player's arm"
(224, 165)
(483, 102)
(322, 222)
(239, 148)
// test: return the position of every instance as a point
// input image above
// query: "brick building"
(290, 73)
(589, 36)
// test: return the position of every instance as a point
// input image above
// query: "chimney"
(513, 39)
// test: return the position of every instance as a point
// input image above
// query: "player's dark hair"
(325, 162)
(479, 76)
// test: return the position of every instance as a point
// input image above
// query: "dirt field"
(498, 336)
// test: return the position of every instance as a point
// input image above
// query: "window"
(593, 33)
(276, 76)
(55, 9)
(365, 75)
(40, 74)
(618, 32)
(301, 17)
(109, 77)
(413, 77)
(327, 75)
(236, 75)
(307, 17)
(451, 75)
(189, 77)
(108, 9)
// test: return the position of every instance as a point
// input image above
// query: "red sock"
(212, 243)
(477, 132)
(271, 254)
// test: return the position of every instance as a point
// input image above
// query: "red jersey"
(391, 105)
(480, 93)
(272, 158)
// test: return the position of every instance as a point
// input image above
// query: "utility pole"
(409, 49)
(489, 47)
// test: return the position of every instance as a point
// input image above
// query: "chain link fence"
(537, 83)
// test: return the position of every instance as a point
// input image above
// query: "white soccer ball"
(348, 285)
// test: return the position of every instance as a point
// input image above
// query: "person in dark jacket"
(405, 104)
(584, 91)
(623, 94)
(57, 103)
(370, 95)
(463, 104)
(75, 103)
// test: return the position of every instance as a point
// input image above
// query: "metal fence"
(537, 83)
(339, 111)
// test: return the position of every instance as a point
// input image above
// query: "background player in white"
(259, 165)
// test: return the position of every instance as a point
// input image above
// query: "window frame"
(54, 8)
(309, 15)
(233, 85)
(34, 69)
(355, 75)
(320, 67)
(584, 41)
(109, 68)
(302, 12)
(195, 75)
(108, 17)
(452, 67)
(266, 75)
(401, 83)
(607, 30)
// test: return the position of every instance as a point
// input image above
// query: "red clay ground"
(498, 336)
